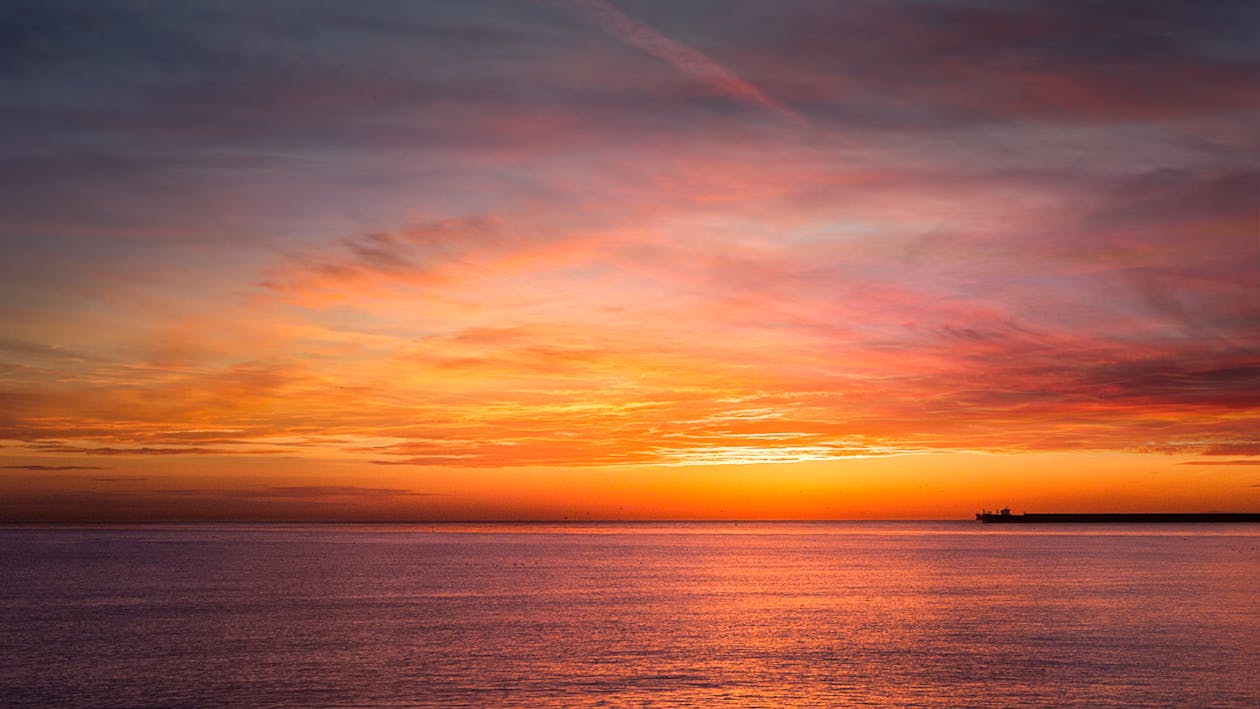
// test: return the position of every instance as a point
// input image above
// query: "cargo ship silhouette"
(1004, 516)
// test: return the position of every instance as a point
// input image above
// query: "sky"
(627, 259)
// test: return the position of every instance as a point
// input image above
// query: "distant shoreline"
(1120, 518)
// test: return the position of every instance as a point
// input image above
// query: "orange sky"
(624, 260)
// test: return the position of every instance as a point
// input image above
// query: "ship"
(1004, 516)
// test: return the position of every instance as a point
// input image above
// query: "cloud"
(318, 491)
(51, 468)
(296, 503)
(146, 451)
(299, 492)
(1234, 447)
(371, 263)
(1228, 384)
(1222, 462)
(687, 60)
(955, 63)
(456, 236)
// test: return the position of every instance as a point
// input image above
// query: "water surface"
(657, 614)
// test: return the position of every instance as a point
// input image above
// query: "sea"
(771, 614)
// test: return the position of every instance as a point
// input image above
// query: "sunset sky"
(627, 259)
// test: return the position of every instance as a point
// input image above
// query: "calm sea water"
(674, 614)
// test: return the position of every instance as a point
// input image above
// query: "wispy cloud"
(693, 63)
(147, 451)
(51, 468)
(318, 493)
